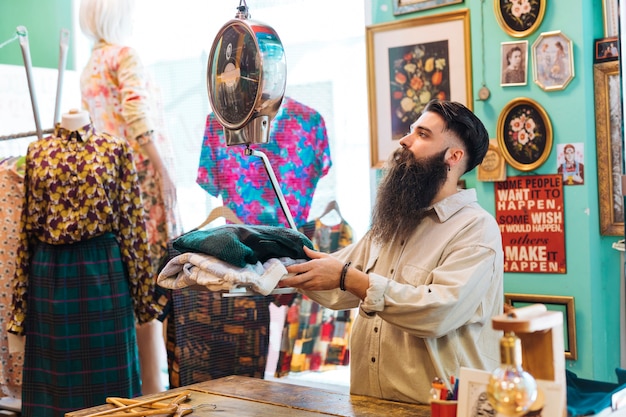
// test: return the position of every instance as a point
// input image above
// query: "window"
(326, 69)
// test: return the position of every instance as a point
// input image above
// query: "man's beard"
(408, 188)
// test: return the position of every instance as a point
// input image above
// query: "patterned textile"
(123, 101)
(80, 185)
(11, 199)
(209, 337)
(316, 338)
(81, 341)
(298, 152)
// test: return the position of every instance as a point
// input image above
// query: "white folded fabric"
(191, 268)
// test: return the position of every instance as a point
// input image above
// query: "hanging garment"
(11, 199)
(83, 266)
(298, 152)
(314, 337)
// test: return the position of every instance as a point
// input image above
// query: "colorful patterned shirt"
(79, 185)
(298, 152)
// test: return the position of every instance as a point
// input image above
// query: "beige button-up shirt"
(429, 304)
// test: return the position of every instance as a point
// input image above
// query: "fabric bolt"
(430, 297)
(80, 343)
(190, 269)
(242, 245)
(80, 185)
(11, 199)
(122, 100)
(587, 397)
(298, 152)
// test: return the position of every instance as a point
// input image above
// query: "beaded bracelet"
(342, 278)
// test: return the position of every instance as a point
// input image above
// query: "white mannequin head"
(75, 119)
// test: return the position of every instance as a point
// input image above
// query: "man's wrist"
(342, 277)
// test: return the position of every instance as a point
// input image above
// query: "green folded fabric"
(245, 244)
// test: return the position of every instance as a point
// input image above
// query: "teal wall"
(593, 266)
(44, 21)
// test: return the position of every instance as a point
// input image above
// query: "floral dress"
(117, 92)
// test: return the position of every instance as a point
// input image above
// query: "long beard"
(408, 188)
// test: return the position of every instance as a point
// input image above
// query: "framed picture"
(606, 49)
(609, 146)
(524, 134)
(473, 396)
(610, 12)
(408, 6)
(410, 62)
(519, 20)
(514, 63)
(553, 61)
(493, 166)
(553, 303)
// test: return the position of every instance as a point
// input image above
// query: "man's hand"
(322, 272)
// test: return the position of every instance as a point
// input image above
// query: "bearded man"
(428, 275)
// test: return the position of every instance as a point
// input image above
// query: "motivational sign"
(529, 211)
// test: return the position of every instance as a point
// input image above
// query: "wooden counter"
(242, 396)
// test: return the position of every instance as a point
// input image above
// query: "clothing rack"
(21, 34)
(25, 134)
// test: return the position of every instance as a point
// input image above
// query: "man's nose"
(406, 141)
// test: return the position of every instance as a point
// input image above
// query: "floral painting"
(525, 134)
(409, 62)
(418, 73)
(520, 17)
(524, 140)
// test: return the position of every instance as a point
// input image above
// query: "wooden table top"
(243, 396)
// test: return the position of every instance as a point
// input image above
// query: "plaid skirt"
(81, 343)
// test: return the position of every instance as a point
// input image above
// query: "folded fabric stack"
(232, 256)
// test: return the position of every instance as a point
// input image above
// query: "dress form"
(75, 119)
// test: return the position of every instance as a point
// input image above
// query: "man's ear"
(454, 156)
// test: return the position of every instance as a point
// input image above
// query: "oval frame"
(515, 120)
(515, 26)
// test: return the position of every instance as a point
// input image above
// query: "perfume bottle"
(511, 390)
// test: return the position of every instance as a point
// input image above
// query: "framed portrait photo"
(553, 61)
(408, 6)
(514, 60)
(605, 50)
(519, 20)
(410, 62)
(524, 134)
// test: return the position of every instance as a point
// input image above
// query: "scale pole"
(275, 185)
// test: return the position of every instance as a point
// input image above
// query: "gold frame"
(609, 145)
(540, 77)
(569, 317)
(409, 6)
(519, 33)
(503, 138)
(453, 27)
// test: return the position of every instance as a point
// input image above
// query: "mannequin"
(83, 275)
(75, 119)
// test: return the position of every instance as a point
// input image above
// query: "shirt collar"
(83, 134)
(447, 207)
